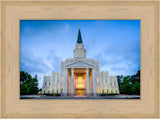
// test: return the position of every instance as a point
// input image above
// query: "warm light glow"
(99, 91)
(79, 83)
(97, 79)
(79, 79)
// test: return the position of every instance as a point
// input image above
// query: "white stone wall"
(114, 87)
(114, 84)
(79, 52)
(46, 84)
(104, 82)
(62, 77)
(109, 84)
(97, 78)
(51, 83)
(55, 82)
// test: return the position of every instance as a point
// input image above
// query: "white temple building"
(80, 76)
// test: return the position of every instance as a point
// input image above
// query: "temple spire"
(79, 39)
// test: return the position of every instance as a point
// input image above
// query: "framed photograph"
(80, 77)
(80, 59)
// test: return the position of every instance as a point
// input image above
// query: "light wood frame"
(11, 13)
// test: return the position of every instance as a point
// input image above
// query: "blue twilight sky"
(44, 43)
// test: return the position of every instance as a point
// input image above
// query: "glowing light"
(97, 79)
(80, 83)
(99, 91)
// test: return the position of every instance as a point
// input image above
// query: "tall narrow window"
(99, 91)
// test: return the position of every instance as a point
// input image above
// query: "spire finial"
(79, 26)
(79, 39)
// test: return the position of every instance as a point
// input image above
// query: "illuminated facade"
(80, 76)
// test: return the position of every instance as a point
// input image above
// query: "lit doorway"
(80, 86)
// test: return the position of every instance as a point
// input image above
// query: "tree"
(136, 88)
(33, 86)
(136, 77)
(130, 84)
(126, 87)
(119, 78)
(25, 77)
(40, 89)
(28, 85)
(24, 89)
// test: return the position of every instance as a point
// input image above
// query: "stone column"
(72, 81)
(94, 84)
(66, 82)
(87, 76)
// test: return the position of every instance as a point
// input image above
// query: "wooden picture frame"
(12, 11)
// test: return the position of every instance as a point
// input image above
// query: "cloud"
(44, 43)
(39, 65)
(122, 63)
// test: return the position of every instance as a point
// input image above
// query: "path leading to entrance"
(81, 97)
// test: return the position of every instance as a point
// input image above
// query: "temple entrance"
(79, 78)
(80, 92)
(80, 86)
